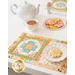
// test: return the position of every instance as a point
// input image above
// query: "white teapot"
(26, 11)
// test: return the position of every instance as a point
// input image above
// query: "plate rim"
(55, 60)
(58, 28)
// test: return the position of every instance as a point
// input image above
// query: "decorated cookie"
(59, 24)
(56, 20)
(47, 21)
(48, 26)
(52, 21)
(53, 27)
(55, 53)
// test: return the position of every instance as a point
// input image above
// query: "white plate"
(62, 47)
(64, 21)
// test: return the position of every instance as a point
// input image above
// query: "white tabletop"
(16, 27)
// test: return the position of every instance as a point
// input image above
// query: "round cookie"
(53, 27)
(52, 21)
(55, 53)
(59, 24)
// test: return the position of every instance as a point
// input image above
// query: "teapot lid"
(25, 5)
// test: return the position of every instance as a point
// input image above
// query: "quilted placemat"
(59, 5)
(29, 48)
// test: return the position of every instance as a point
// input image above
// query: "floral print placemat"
(29, 48)
(59, 5)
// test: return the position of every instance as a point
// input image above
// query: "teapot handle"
(12, 8)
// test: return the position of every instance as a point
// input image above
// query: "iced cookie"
(53, 27)
(59, 24)
(56, 20)
(55, 53)
(47, 21)
(52, 21)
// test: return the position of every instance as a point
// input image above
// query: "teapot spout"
(37, 9)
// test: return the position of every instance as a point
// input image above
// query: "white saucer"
(60, 46)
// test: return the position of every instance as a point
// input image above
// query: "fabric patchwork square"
(34, 47)
(28, 46)
(23, 45)
(59, 5)
(25, 50)
(30, 42)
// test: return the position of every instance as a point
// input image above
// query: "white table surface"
(16, 27)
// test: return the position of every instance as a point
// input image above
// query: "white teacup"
(32, 24)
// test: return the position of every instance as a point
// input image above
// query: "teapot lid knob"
(25, 2)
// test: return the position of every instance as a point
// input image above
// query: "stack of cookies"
(54, 23)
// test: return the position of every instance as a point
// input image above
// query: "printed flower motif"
(59, 70)
(63, 68)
